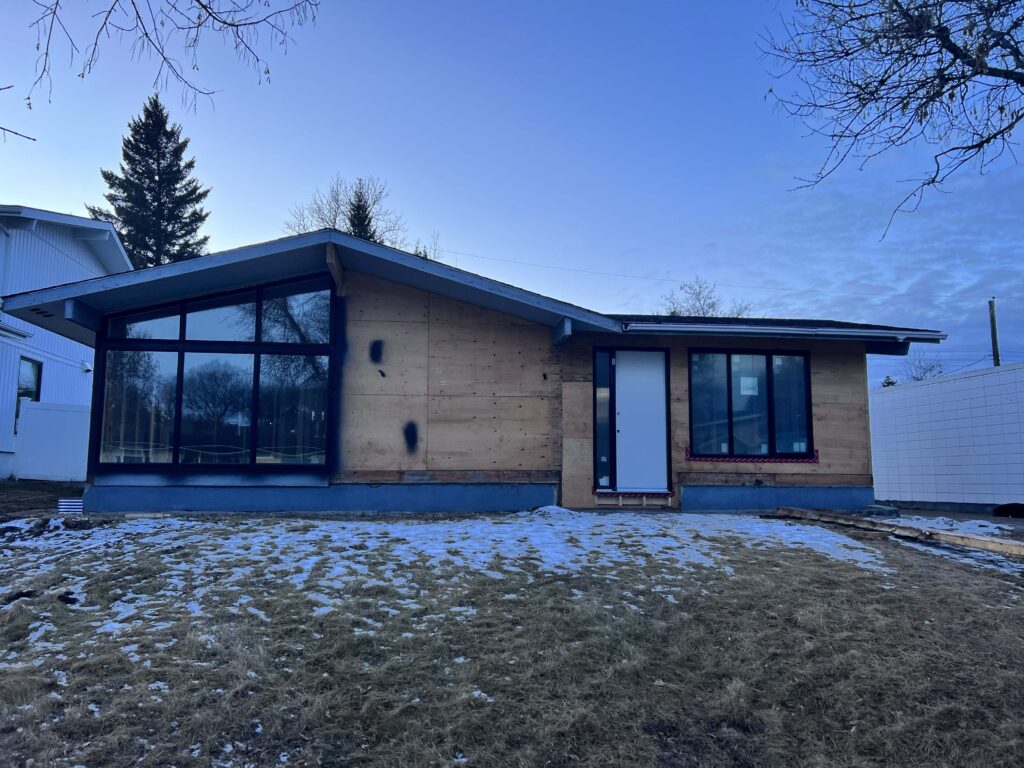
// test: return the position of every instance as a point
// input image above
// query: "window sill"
(632, 494)
(753, 459)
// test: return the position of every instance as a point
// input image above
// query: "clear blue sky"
(596, 152)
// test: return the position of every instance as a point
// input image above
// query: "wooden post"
(337, 272)
(994, 328)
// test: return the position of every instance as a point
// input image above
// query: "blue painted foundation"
(343, 499)
(733, 497)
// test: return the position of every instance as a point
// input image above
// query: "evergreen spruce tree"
(360, 213)
(156, 204)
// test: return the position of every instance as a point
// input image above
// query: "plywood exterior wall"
(464, 394)
(459, 393)
(839, 412)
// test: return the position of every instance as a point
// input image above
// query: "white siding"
(52, 442)
(30, 259)
(957, 438)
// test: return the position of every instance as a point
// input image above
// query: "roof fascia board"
(478, 282)
(849, 334)
(439, 273)
(143, 276)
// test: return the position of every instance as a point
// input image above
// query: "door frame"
(612, 426)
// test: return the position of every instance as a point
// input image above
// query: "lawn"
(550, 638)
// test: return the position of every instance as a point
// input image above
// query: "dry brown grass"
(794, 659)
(34, 496)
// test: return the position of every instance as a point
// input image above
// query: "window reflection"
(709, 397)
(216, 404)
(790, 394)
(296, 315)
(205, 321)
(138, 408)
(749, 405)
(292, 410)
(216, 393)
(146, 325)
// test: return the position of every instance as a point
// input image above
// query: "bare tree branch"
(918, 367)
(171, 32)
(333, 209)
(699, 298)
(3, 130)
(874, 75)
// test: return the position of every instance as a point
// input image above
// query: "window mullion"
(254, 418)
(769, 361)
(176, 435)
(728, 399)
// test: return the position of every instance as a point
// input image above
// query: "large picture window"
(749, 404)
(229, 381)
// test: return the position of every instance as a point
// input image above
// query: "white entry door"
(641, 421)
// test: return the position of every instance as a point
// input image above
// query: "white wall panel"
(52, 442)
(957, 438)
(29, 259)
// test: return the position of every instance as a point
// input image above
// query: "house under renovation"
(323, 373)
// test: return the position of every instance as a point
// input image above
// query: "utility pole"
(995, 330)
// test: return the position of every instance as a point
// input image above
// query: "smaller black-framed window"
(30, 385)
(750, 404)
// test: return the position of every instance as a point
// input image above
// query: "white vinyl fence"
(52, 442)
(951, 439)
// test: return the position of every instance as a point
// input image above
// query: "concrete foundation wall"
(342, 499)
(721, 498)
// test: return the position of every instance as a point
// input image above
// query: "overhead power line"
(677, 281)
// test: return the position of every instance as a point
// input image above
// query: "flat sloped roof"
(287, 257)
(73, 310)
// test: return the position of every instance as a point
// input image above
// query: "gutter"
(702, 329)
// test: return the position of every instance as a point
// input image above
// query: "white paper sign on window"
(748, 385)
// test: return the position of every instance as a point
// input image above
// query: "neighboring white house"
(40, 249)
(956, 439)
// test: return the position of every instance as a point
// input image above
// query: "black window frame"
(17, 387)
(613, 473)
(181, 346)
(768, 354)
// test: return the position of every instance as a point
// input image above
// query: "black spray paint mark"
(376, 351)
(382, 374)
(411, 434)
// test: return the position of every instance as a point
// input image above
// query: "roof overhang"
(74, 310)
(99, 236)
(877, 341)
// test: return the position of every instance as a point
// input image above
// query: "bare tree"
(358, 208)
(699, 298)
(169, 31)
(430, 250)
(880, 74)
(918, 367)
